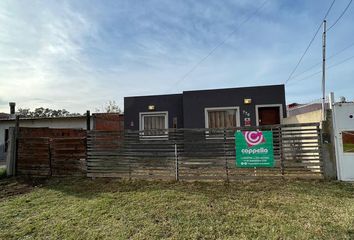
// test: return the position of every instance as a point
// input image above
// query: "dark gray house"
(217, 108)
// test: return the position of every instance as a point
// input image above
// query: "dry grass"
(72, 208)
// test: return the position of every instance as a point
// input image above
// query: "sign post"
(254, 149)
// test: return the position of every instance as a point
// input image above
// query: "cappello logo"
(253, 138)
(254, 149)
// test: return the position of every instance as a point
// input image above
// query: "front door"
(268, 115)
(343, 119)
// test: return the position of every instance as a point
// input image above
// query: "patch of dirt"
(16, 186)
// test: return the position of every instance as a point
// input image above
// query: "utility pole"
(324, 71)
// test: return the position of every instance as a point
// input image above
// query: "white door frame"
(269, 105)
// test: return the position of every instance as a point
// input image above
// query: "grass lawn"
(2, 172)
(79, 208)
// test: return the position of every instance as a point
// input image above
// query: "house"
(77, 122)
(306, 113)
(4, 116)
(303, 113)
(216, 108)
(98, 121)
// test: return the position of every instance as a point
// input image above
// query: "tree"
(45, 112)
(110, 107)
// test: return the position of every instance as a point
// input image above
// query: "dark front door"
(268, 115)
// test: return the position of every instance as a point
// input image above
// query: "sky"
(78, 55)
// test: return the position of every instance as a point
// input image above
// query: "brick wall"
(108, 121)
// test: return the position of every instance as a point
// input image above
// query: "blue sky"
(78, 55)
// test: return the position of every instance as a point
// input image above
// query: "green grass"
(72, 208)
(2, 172)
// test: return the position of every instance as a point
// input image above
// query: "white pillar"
(331, 100)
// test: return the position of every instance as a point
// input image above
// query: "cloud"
(78, 55)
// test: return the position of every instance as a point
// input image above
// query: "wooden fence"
(33, 156)
(68, 156)
(51, 156)
(200, 154)
(51, 152)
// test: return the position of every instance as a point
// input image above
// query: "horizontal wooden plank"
(202, 153)
(31, 165)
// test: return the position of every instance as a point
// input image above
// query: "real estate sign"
(254, 149)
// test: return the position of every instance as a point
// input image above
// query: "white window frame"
(141, 123)
(238, 122)
(207, 133)
(269, 105)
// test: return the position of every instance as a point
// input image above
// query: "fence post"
(17, 133)
(129, 169)
(281, 152)
(50, 156)
(176, 160)
(88, 120)
(320, 144)
(10, 157)
(88, 128)
(327, 152)
(129, 157)
(225, 156)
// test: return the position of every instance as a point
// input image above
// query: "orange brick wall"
(108, 121)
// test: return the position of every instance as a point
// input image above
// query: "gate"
(201, 154)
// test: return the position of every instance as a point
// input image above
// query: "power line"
(220, 44)
(341, 62)
(317, 64)
(332, 66)
(310, 43)
(340, 16)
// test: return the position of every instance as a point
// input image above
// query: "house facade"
(217, 108)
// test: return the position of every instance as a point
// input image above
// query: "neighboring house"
(217, 108)
(98, 121)
(304, 113)
(78, 122)
(297, 109)
(4, 116)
